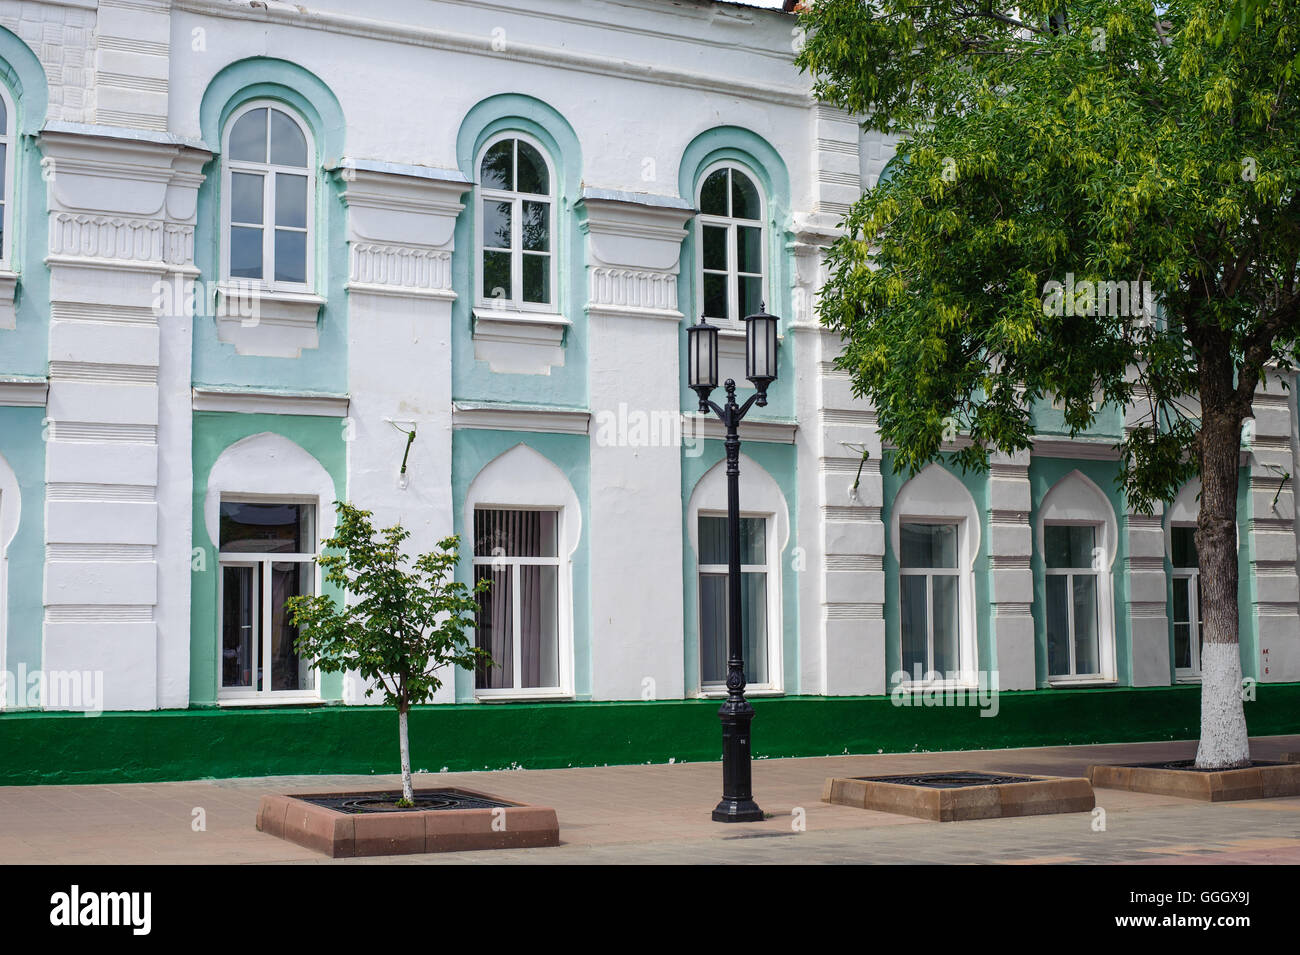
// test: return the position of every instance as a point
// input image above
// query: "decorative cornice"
(634, 292)
(755, 429)
(266, 402)
(23, 392)
(1082, 449)
(504, 417)
(390, 269)
(121, 238)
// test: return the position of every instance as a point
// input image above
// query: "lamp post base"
(737, 810)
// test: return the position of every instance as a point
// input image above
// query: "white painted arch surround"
(1076, 499)
(11, 505)
(524, 479)
(936, 496)
(760, 496)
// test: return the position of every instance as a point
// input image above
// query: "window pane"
(4, 118)
(944, 590)
(1184, 546)
(1085, 625)
(290, 201)
(715, 248)
(535, 225)
(713, 628)
(1183, 646)
(288, 145)
(288, 670)
(248, 137)
(715, 296)
(912, 611)
(928, 545)
(496, 224)
(749, 295)
(501, 533)
(497, 282)
(239, 617)
(539, 626)
(267, 528)
(1069, 545)
(744, 197)
(494, 632)
(290, 256)
(753, 549)
(713, 194)
(749, 249)
(537, 278)
(1058, 625)
(246, 252)
(246, 198)
(753, 624)
(713, 540)
(533, 178)
(498, 168)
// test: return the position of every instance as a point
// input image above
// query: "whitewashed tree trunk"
(407, 792)
(1224, 741)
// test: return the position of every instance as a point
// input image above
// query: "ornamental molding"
(502, 417)
(617, 290)
(82, 235)
(382, 267)
(259, 402)
(23, 392)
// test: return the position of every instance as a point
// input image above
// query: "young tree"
(1118, 140)
(403, 626)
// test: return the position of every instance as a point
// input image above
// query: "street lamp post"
(737, 803)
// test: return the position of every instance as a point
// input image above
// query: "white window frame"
(929, 573)
(733, 319)
(9, 138)
(771, 570)
(563, 610)
(268, 172)
(516, 199)
(233, 695)
(1098, 534)
(1192, 575)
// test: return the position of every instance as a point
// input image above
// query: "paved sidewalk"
(660, 814)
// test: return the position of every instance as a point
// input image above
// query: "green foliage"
(1117, 145)
(404, 624)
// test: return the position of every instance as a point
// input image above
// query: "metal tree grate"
(948, 780)
(425, 801)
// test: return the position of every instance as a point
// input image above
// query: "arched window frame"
(231, 166)
(730, 222)
(515, 300)
(1075, 500)
(1183, 514)
(9, 139)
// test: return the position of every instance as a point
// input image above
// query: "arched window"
(516, 224)
(733, 253)
(935, 535)
(1077, 539)
(269, 198)
(6, 175)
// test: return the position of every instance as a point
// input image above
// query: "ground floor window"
(1186, 610)
(714, 603)
(267, 556)
(929, 599)
(1073, 600)
(519, 615)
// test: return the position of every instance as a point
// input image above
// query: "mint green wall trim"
(565, 385)
(1109, 422)
(1043, 475)
(779, 461)
(320, 369)
(751, 151)
(22, 447)
(977, 485)
(24, 348)
(51, 748)
(214, 431)
(471, 451)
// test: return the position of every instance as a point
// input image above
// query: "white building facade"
(250, 249)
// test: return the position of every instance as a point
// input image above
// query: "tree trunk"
(407, 792)
(1224, 740)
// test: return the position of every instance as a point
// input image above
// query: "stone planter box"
(1260, 781)
(965, 796)
(344, 834)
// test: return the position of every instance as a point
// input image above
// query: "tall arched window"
(6, 175)
(1185, 582)
(733, 255)
(269, 197)
(516, 224)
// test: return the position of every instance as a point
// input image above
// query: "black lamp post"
(737, 803)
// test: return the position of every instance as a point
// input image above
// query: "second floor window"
(269, 197)
(516, 226)
(732, 262)
(6, 174)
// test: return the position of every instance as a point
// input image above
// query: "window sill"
(1065, 683)
(8, 286)
(1187, 678)
(267, 323)
(296, 699)
(519, 342)
(719, 692)
(520, 696)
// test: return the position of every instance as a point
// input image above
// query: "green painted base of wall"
(209, 743)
